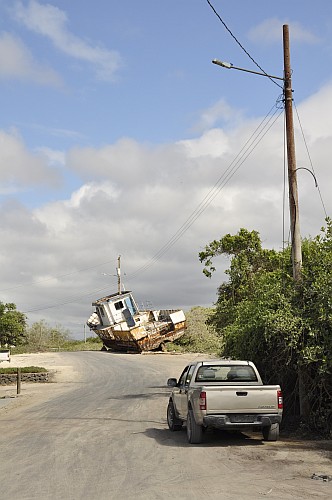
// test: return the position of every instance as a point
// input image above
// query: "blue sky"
(115, 125)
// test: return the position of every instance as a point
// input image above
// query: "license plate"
(245, 419)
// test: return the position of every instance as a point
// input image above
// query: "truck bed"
(240, 398)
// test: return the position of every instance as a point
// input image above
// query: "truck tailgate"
(241, 399)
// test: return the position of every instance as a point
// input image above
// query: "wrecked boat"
(121, 326)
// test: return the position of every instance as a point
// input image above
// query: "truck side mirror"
(172, 382)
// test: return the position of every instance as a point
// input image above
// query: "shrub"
(24, 369)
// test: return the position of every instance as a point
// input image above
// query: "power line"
(240, 45)
(233, 167)
(256, 137)
(69, 300)
(199, 209)
(309, 156)
(38, 282)
(221, 182)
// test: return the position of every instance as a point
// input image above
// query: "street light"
(292, 180)
(229, 65)
(222, 63)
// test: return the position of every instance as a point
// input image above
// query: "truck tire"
(271, 432)
(173, 422)
(194, 431)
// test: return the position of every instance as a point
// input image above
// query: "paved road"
(104, 436)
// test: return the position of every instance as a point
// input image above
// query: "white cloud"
(213, 143)
(137, 200)
(51, 22)
(16, 62)
(121, 161)
(57, 132)
(221, 111)
(318, 125)
(20, 168)
(269, 31)
(53, 156)
(86, 203)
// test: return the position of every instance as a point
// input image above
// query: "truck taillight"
(202, 400)
(280, 400)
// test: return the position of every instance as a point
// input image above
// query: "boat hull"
(140, 339)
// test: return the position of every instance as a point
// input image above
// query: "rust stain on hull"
(127, 341)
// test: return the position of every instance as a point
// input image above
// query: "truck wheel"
(194, 431)
(271, 432)
(174, 423)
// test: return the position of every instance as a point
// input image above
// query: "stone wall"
(11, 378)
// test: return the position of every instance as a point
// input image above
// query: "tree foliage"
(12, 325)
(285, 328)
(199, 336)
(41, 336)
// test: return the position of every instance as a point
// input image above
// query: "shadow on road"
(147, 395)
(211, 438)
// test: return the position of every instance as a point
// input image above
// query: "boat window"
(101, 311)
(130, 305)
(119, 305)
(226, 373)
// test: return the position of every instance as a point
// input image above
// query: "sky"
(120, 137)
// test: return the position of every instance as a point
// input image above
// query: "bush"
(24, 369)
(199, 337)
(80, 345)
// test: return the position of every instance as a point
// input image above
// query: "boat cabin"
(116, 308)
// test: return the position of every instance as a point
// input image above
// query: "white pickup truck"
(4, 355)
(223, 394)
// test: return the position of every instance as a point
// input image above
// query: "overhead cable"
(310, 160)
(233, 167)
(240, 45)
(68, 300)
(256, 137)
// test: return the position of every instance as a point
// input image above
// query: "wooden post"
(292, 180)
(18, 380)
(294, 205)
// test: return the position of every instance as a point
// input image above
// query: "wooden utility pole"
(118, 272)
(293, 203)
(292, 177)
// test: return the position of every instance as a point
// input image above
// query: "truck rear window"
(223, 373)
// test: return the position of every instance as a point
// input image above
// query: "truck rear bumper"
(234, 421)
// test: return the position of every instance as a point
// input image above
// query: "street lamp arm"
(304, 168)
(230, 66)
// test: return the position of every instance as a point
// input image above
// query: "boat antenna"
(118, 272)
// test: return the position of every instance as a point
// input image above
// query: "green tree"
(199, 336)
(12, 325)
(314, 304)
(285, 328)
(40, 336)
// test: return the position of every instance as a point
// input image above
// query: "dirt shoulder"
(62, 373)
